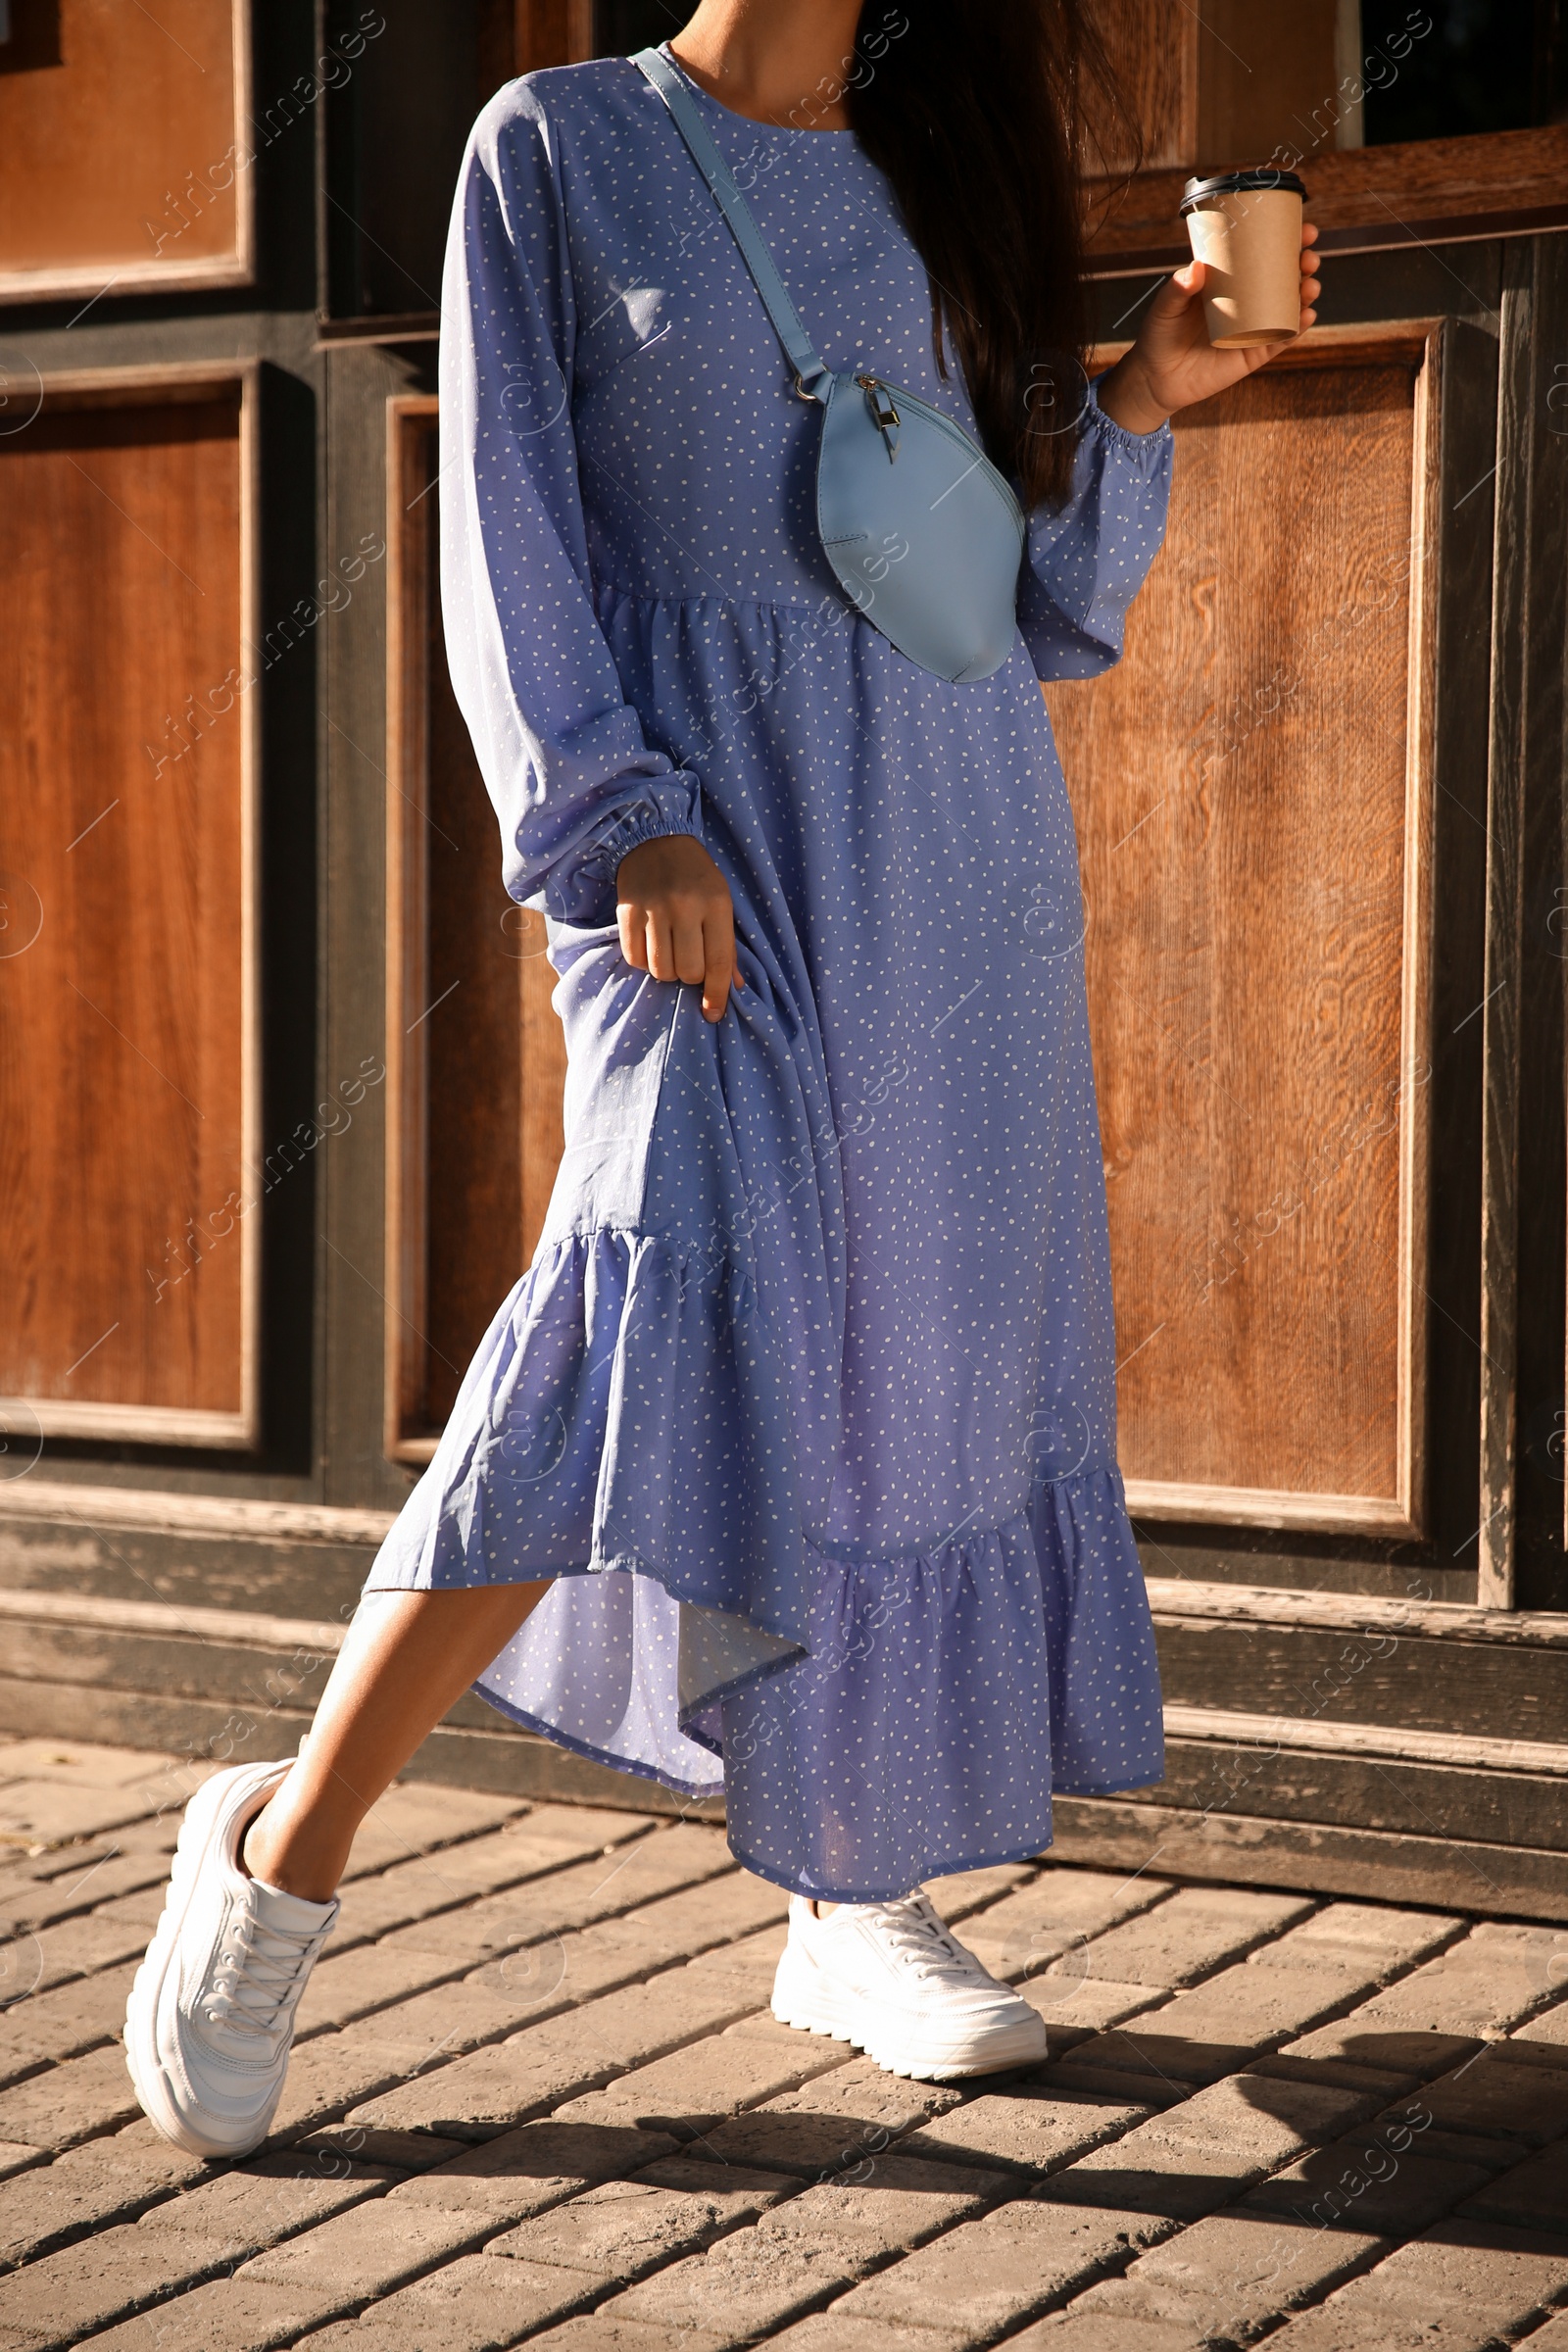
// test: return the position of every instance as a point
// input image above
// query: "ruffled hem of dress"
(619, 1434)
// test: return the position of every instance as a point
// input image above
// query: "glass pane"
(623, 26)
(1454, 66)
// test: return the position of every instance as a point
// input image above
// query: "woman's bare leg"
(407, 1659)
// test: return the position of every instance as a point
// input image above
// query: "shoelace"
(915, 1933)
(258, 1973)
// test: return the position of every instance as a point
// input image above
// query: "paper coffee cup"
(1246, 226)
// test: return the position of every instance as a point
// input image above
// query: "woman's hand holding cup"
(1173, 362)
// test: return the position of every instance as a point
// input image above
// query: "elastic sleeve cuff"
(645, 824)
(1145, 449)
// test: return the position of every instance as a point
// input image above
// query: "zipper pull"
(879, 401)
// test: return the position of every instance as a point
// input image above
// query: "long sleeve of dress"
(1087, 558)
(574, 783)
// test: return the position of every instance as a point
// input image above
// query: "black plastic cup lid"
(1239, 183)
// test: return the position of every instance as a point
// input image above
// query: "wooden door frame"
(179, 1425)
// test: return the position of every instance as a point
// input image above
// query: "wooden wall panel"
(1251, 789)
(126, 145)
(475, 1055)
(128, 1063)
(1154, 52)
(1267, 82)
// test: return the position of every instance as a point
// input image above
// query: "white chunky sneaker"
(210, 2019)
(894, 1981)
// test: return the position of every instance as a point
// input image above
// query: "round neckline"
(731, 113)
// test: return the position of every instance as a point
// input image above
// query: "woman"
(789, 1465)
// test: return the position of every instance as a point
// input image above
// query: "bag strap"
(812, 375)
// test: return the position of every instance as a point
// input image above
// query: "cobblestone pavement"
(538, 2097)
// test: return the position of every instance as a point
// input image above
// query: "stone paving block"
(1199, 2156)
(370, 2250)
(79, 2100)
(335, 2145)
(699, 2086)
(1076, 2006)
(1056, 1912)
(67, 2020)
(447, 2020)
(965, 1893)
(522, 1906)
(527, 2171)
(89, 1882)
(1378, 2082)
(85, 1765)
(1081, 2080)
(1547, 2034)
(87, 2285)
(1079, 2330)
(756, 1953)
(743, 2287)
(831, 2330)
(328, 2076)
(601, 2331)
(103, 2180)
(260, 2202)
(1490, 1980)
(352, 1985)
(1214, 2029)
(73, 1947)
(718, 1910)
(1229, 2275)
(1552, 2337)
(568, 1867)
(830, 2123)
(1026, 2132)
(510, 2081)
(1534, 2195)
(1414, 2055)
(1198, 1929)
(53, 1813)
(1493, 2097)
(628, 2227)
(17, 2157)
(992, 2275)
(885, 2205)
(1456, 2289)
(1382, 2179)
(475, 2305)
(230, 2315)
(1367, 1940)
(419, 1816)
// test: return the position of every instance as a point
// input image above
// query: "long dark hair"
(985, 115)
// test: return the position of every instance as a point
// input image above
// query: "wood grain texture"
(1155, 54)
(1247, 812)
(1445, 1872)
(1180, 1598)
(1266, 81)
(1365, 1675)
(1500, 1013)
(128, 1058)
(124, 146)
(1365, 199)
(1373, 1792)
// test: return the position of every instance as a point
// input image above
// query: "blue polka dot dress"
(807, 1403)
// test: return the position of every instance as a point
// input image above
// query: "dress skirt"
(807, 1402)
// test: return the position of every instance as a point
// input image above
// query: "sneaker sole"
(816, 2009)
(141, 2032)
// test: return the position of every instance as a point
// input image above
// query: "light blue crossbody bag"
(924, 533)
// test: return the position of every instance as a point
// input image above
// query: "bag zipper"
(871, 385)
